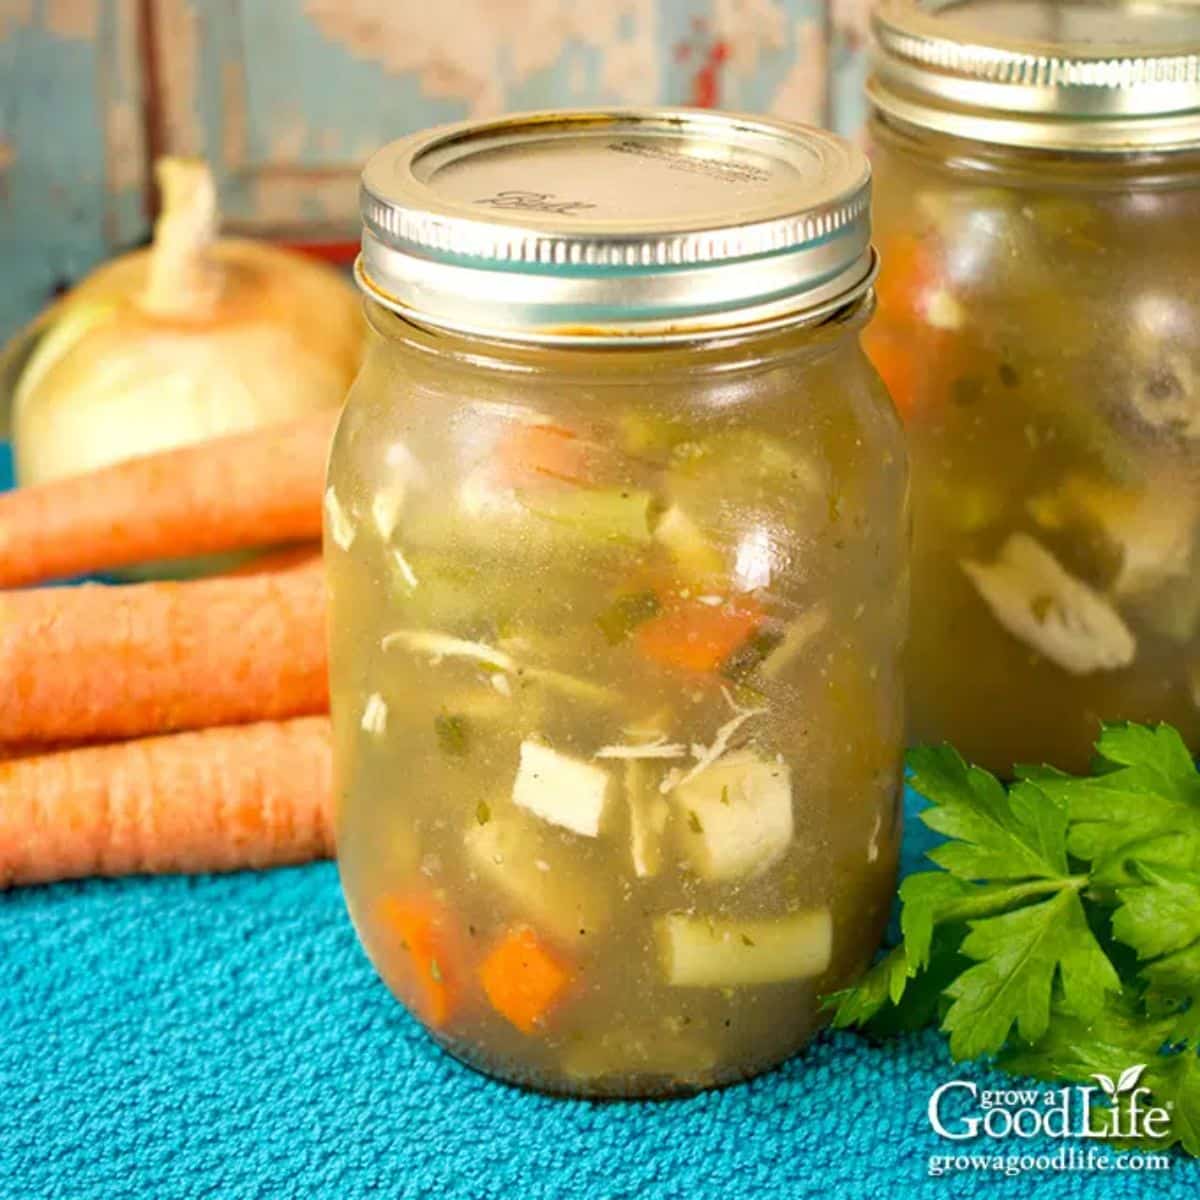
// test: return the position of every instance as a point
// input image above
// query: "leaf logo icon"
(1127, 1082)
(1129, 1078)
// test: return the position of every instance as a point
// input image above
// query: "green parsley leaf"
(1076, 1048)
(890, 999)
(926, 897)
(1019, 953)
(1162, 914)
(1174, 1081)
(453, 734)
(995, 834)
(1122, 1036)
(1157, 748)
(1176, 974)
(1062, 932)
(1144, 807)
(884, 982)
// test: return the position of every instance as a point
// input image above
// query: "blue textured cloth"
(225, 1037)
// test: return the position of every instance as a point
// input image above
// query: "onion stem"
(183, 280)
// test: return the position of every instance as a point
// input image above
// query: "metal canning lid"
(591, 225)
(1099, 76)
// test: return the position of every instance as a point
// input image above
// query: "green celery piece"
(996, 834)
(752, 653)
(1018, 956)
(714, 477)
(570, 686)
(625, 614)
(619, 515)
(641, 434)
(1162, 914)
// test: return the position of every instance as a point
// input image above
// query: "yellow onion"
(194, 337)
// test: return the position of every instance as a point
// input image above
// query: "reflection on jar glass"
(1039, 328)
(616, 533)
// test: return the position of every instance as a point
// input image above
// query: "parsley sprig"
(1061, 933)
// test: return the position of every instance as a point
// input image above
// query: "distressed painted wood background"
(286, 97)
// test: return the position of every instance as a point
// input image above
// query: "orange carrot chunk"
(90, 663)
(694, 636)
(432, 986)
(251, 489)
(529, 453)
(522, 979)
(908, 273)
(894, 356)
(218, 800)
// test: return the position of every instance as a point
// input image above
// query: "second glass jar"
(1039, 329)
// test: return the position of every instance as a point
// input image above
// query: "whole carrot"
(250, 489)
(216, 800)
(95, 662)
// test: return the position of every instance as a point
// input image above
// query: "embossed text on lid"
(654, 221)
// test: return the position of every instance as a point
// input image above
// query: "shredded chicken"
(375, 713)
(1043, 605)
(660, 748)
(705, 756)
(405, 568)
(443, 645)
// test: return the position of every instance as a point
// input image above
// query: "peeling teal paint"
(53, 200)
(283, 107)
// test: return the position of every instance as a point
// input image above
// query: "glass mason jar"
(1039, 328)
(616, 539)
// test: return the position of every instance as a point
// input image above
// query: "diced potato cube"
(695, 554)
(566, 791)
(735, 818)
(700, 952)
(544, 882)
(682, 1059)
